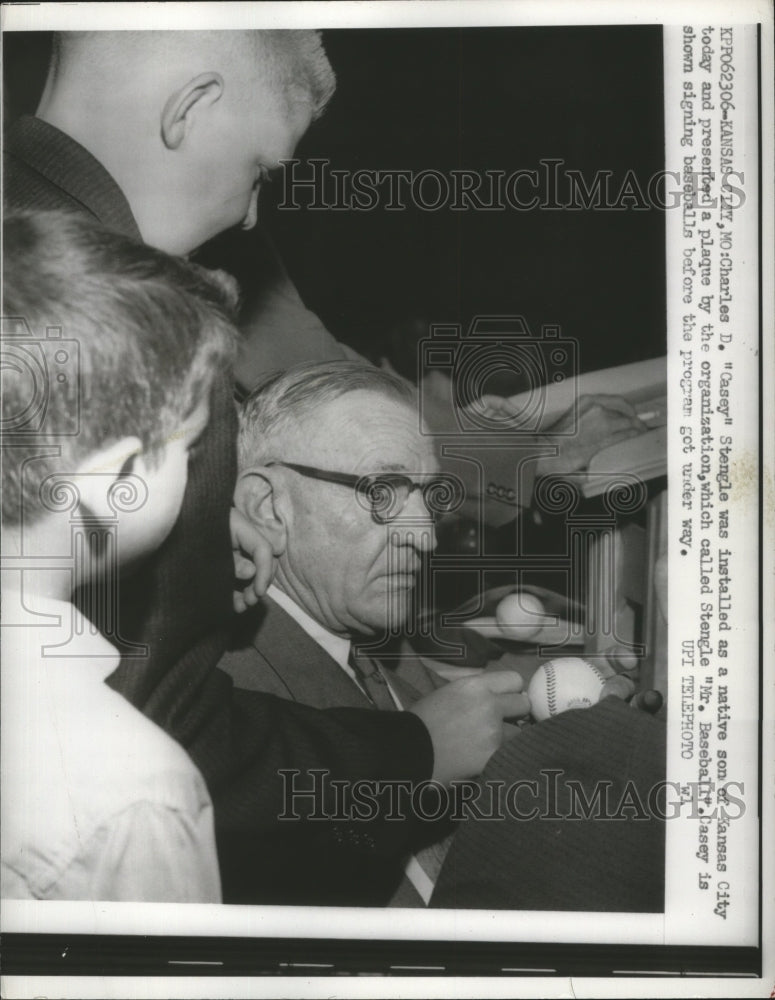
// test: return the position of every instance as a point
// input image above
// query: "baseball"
(516, 616)
(562, 684)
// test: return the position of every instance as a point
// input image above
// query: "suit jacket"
(612, 859)
(179, 603)
(271, 652)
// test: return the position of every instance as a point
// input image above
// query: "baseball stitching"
(551, 688)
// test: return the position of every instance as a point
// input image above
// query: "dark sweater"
(179, 606)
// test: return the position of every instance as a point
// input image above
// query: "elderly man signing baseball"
(337, 473)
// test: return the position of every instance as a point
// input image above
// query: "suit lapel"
(291, 664)
(311, 676)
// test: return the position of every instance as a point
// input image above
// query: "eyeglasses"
(386, 494)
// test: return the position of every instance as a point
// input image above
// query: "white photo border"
(450, 926)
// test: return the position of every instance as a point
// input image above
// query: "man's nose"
(414, 527)
(420, 537)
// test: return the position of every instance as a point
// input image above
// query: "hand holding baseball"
(465, 721)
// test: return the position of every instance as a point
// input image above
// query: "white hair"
(280, 403)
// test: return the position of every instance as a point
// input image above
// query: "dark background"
(484, 99)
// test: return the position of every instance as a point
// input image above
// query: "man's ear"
(254, 497)
(97, 475)
(179, 110)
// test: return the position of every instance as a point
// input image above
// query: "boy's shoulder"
(54, 678)
(77, 755)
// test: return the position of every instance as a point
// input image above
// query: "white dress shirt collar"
(337, 646)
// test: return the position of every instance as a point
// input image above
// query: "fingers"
(243, 599)
(506, 686)
(495, 405)
(241, 529)
(254, 561)
(500, 681)
(598, 426)
(513, 705)
(617, 416)
(617, 686)
(606, 669)
(265, 566)
(243, 567)
(622, 658)
(606, 402)
(257, 575)
(615, 435)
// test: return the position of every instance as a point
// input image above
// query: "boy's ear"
(101, 469)
(255, 498)
(180, 107)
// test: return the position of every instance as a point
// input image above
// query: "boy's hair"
(291, 64)
(280, 403)
(104, 338)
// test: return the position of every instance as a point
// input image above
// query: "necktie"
(372, 681)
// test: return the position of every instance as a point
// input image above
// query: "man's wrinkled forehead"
(368, 432)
